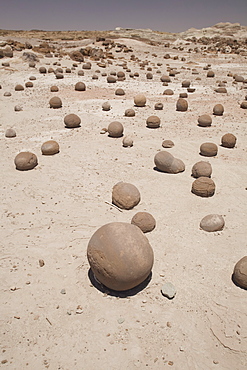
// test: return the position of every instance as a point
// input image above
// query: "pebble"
(168, 290)
(120, 320)
(63, 291)
(18, 108)
(41, 263)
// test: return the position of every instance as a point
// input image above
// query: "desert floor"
(51, 212)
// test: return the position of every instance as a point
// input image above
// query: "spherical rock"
(29, 84)
(25, 161)
(106, 106)
(10, 132)
(72, 121)
(165, 162)
(182, 105)
(59, 76)
(158, 106)
(221, 90)
(218, 110)
(111, 79)
(202, 168)
(208, 149)
(19, 88)
(243, 105)
(238, 78)
(121, 74)
(120, 256)
(54, 89)
(80, 73)
(153, 122)
(144, 220)
(149, 76)
(125, 195)
(183, 95)
(80, 86)
(205, 120)
(168, 92)
(212, 223)
(50, 147)
(140, 100)
(7, 93)
(55, 102)
(127, 141)
(129, 112)
(239, 276)
(167, 144)
(228, 140)
(119, 92)
(42, 70)
(165, 78)
(210, 73)
(18, 108)
(203, 187)
(115, 129)
(186, 83)
(32, 64)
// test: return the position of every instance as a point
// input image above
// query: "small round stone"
(25, 161)
(129, 112)
(158, 106)
(111, 79)
(182, 105)
(218, 110)
(153, 122)
(115, 129)
(210, 73)
(186, 83)
(140, 100)
(203, 187)
(55, 102)
(127, 141)
(18, 108)
(239, 276)
(29, 84)
(10, 132)
(201, 168)
(72, 121)
(50, 147)
(106, 106)
(243, 105)
(228, 140)
(54, 89)
(145, 221)
(119, 92)
(19, 88)
(80, 86)
(208, 149)
(120, 256)
(42, 70)
(205, 120)
(168, 92)
(168, 144)
(125, 195)
(212, 223)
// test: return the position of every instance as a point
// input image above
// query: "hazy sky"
(160, 15)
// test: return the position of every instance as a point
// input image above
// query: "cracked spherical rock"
(208, 149)
(25, 161)
(140, 100)
(228, 140)
(239, 276)
(55, 102)
(144, 220)
(153, 122)
(205, 120)
(115, 129)
(212, 223)
(50, 147)
(125, 195)
(165, 162)
(203, 187)
(120, 256)
(72, 120)
(201, 168)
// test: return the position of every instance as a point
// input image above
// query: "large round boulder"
(115, 129)
(120, 256)
(203, 187)
(25, 161)
(239, 276)
(201, 168)
(125, 195)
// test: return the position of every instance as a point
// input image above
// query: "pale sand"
(51, 212)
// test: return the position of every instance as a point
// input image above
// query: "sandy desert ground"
(52, 316)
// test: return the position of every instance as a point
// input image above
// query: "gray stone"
(168, 290)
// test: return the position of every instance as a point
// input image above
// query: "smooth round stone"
(72, 120)
(153, 122)
(168, 92)
(144, 220)
(239, 276)
(182, 105)
(125, 195)
(115, 129)
(168, 144)
(106, 106)
(127, 141)
(119, 92)
(25, 161)
(208, 149)
(218, 110)
(50, 147)
(212, 223)
(205, 120)
(243, 105)
(18, 108)
(129, 112)
(228, 141)
(202, 168)
(54, 89)
(120, 256)
(10, 132)
(80, 86)
(55, 102)
(140, 100)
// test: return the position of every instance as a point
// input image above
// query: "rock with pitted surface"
(204, 120)
(55, 102)
(140, 100)
(203, 187)
(208, 149)
(153, 122)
